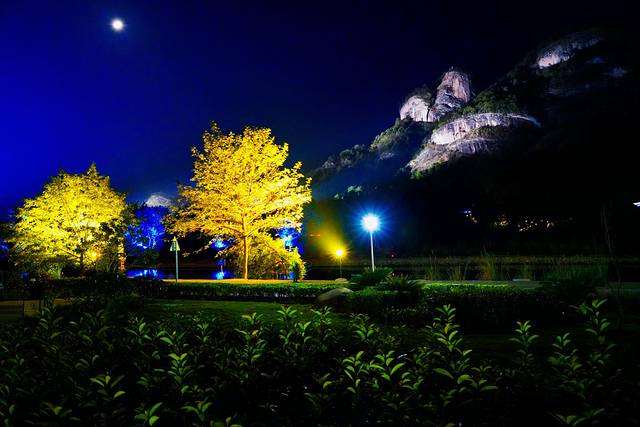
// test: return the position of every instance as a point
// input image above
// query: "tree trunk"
(246, 257)
(245, 241)
(82, 263)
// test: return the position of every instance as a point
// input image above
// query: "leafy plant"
(370, 277)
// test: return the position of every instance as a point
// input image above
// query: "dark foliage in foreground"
(87, 368)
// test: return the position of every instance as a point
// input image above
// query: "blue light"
(223, 274)
(148, 233)
(4, 250)
(149, 273)
(219, 244)
(290, 238)
(371, 223)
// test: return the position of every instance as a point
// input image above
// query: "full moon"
(117, 24)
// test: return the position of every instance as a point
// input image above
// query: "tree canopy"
(77, 220)
(242, 189)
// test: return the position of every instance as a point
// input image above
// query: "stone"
(433, 155)
(417, 109)
(564, 49)
(158, 199)
(454, 92)
(333, 297)
(459, 128)
(460, 138)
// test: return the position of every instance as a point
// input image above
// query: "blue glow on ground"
(150, 273)
(220, 275)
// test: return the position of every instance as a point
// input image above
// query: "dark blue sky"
(323, 76)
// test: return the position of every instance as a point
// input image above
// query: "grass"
(494, 346)
(226, 311)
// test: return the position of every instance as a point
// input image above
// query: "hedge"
(110, 285)
(478, 307)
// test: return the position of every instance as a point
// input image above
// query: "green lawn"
(492, 345)
(227, 311)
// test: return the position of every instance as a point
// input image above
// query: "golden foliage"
(73, 221)
(242, 190)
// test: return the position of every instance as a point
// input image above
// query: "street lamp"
(339, 254)
(371, 223)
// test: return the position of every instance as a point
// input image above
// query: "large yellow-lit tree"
(77, 220)
(242, 189)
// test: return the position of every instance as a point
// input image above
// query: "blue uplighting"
(220, 244)
(148, 234)
(149, 273)
(290, 238)
(223, 274)
(4, 250)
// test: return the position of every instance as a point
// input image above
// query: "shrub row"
(112, 285)
(299, 292)
(479, 307)
(195, 371)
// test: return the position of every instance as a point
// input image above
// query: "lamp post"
(371, 223)
(175, 247)
(339, 254)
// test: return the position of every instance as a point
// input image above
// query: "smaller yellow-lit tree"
(242, 189)
(77, 220)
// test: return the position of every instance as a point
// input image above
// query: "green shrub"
(370, 277)
(575, 283)
(298, 269)
(401, 284)
(88, 369)
(480, 307)
(299, 292)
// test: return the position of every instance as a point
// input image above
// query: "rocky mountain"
(548, 93)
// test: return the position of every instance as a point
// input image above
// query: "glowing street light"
(117, 25)
(371, 223)
(340, 254)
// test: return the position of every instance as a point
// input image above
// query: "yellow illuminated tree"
(242, 189)
(77, 220)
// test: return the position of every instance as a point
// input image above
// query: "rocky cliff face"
(564, 49)
(453, 92)
(552, 89)
(418, 109)
(433, 155)
(468, 135)
(458, 129)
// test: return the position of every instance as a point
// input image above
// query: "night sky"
(324, 76)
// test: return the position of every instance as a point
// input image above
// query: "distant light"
(637, 204)
(339, 253)
(117, 25)
(371, 223)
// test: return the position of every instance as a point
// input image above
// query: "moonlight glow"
(117, 25)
